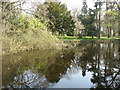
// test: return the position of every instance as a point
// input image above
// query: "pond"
(86, 65)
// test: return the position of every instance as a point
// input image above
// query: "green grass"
(85, 38)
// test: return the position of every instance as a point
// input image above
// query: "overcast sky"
(71, 4)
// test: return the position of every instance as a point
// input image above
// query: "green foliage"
(9, 12)
(28, 34)
(84, 8)
(113, 18)
(79, 29)
(41, 13)
(88, 21)
(60, 19)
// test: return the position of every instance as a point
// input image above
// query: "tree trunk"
(118, 6)
(119, 23)
(96, 19)
(108, 33)
(92, 36)
(99, 21)
(107, 28)
(114, 34)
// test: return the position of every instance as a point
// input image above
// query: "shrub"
(28, 34)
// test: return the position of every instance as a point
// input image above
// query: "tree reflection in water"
(37, 69)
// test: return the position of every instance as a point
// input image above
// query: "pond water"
(86, 65)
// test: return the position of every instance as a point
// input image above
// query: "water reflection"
(84, 66)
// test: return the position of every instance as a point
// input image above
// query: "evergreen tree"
(84, 8)
(61, 21)
(88, 21)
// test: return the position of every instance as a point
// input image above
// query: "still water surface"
(87, 65)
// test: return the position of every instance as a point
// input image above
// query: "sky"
(71, 4)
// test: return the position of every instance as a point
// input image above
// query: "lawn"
(86, 38)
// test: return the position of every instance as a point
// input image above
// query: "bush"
(28, 34)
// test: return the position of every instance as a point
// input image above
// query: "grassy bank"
(22, 37)
(73, 38)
